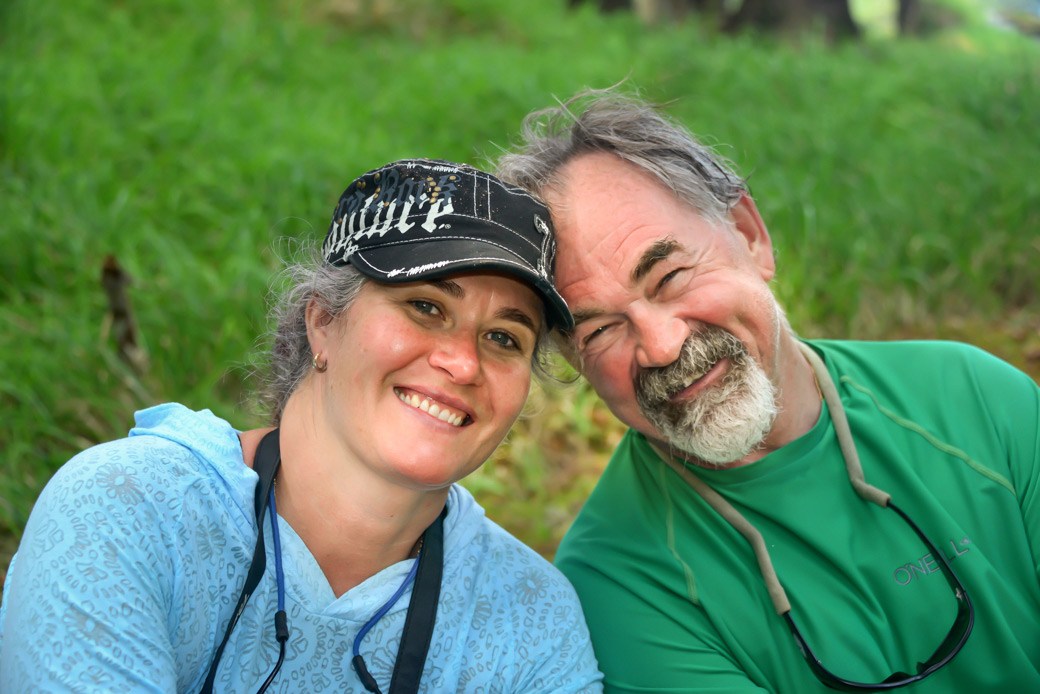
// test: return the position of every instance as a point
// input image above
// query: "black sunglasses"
(950, 646)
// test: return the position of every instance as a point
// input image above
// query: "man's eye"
(668, 278)
(427, 308)
(585, 342)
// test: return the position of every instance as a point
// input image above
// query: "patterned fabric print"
(136, 552)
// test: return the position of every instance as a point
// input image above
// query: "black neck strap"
(422, 611)
(422, 607)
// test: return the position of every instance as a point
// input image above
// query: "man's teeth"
(426, 405)
(689, 379)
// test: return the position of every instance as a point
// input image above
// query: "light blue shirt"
(136, 552)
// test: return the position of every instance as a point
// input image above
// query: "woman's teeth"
(441, 412)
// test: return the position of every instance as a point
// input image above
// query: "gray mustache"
(655, 386)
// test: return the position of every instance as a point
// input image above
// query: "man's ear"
(319, 325)
(749, 225)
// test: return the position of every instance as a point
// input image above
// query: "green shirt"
(674, 598)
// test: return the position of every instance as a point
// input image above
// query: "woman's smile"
(432, 407)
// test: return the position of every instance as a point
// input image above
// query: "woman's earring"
(320, 367)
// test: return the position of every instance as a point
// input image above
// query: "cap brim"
(418, 262)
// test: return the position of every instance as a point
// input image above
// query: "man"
(783, 515)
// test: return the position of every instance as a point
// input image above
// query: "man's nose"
(659, 338)
(458, 355)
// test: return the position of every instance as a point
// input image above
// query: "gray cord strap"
(866, 491)
(740, 524)
(732, 516)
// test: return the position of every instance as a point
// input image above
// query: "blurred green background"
(182, 144)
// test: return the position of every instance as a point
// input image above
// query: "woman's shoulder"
(127, 535)
(497, 560)
(170, 452)
(518, 602)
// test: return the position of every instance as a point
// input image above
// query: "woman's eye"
(504, 339)
(426, 308)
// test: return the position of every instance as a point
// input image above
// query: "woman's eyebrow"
(451, 288)
(455, 290)
(517, 316)
(658, 251)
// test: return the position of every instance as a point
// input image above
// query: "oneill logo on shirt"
(906, 573)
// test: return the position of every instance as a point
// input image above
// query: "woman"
(400, 362)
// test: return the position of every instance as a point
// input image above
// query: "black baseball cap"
(422, 219)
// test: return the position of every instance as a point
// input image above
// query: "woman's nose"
(458, 355)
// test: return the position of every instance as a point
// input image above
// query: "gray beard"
(722, 424)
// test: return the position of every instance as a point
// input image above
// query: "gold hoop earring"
(322, 367)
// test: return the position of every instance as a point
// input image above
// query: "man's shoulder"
(899, 350)
(916, 361)
(957, 392)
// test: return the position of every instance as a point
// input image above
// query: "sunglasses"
(950, 646)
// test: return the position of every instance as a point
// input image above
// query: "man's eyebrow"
(517, 316)
(452, 289)
(580, 315)
(657, 252)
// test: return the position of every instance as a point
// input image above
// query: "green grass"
(189, 138)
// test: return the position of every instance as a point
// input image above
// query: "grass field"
(191, 140)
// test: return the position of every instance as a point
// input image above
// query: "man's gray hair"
(629, 128)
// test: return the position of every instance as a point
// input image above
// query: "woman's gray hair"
(599, 120)
(334, 288)
(307, 277)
